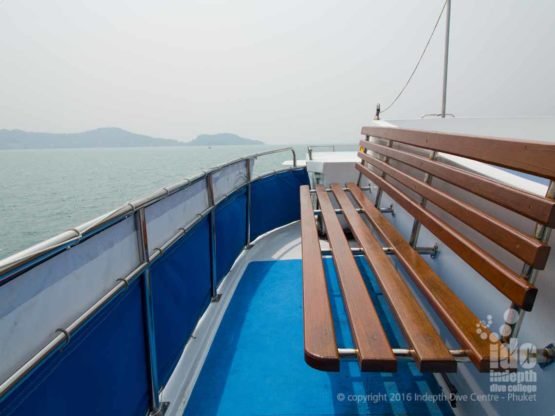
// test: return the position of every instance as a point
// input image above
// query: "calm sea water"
(44, 192)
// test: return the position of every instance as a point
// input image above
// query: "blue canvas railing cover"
(100, 362)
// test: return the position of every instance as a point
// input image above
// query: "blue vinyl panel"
(231, 231)
(181, 292)
(275, 201)
(102, 371)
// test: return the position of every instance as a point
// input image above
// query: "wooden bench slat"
(531, 206)
(319, 336)
(431, 354)
(373, 349)
(458, 318)
(527, 156)
(505, 280)
(525, 247)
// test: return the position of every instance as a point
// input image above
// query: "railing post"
(249, 196)
(212, 231)
(148, 319)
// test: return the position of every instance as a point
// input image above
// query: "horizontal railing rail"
(310, 149)
(25, 260)
(12, 266)
(64, 335)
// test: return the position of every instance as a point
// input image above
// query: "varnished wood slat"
(373, 349)
(458, 318)
(531, 206)
(506, 281)
(319, 336)
(431, 354)
(536, 158)
(525, 247)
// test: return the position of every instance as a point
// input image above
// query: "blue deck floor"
(256, 364)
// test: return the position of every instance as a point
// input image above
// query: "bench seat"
(393, 164)
(373, 350)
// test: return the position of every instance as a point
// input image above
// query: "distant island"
(221, 139)
(108, 137)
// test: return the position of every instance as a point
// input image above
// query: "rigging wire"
(419, 60)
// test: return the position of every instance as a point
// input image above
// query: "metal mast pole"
(446, 59)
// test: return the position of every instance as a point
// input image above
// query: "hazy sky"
(283, 71)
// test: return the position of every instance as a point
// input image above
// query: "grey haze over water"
(44, 192)
(276, 70)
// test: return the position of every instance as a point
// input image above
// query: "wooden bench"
(394, 162)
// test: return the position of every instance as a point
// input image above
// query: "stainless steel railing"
(310, 149)
(15, 265)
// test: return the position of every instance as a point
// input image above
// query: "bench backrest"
(403, 162)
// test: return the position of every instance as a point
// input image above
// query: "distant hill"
(107, 137)
(221, 139)
(103, 137)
